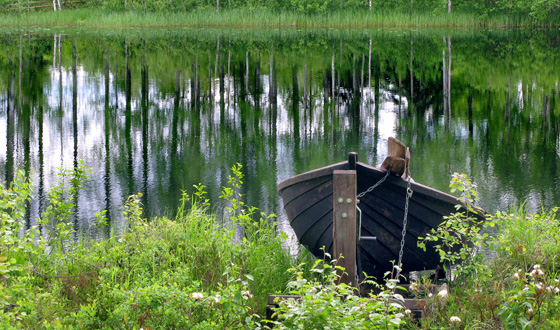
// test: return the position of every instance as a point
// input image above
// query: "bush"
(326, 303)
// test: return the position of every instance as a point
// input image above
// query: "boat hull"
(308, 202)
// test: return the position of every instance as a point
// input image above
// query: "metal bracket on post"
(344, 223)
(360, 237)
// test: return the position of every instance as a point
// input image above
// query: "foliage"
(328, 303)
(542, 12)
(511, 282)
(189, 272)
(62, 203)
(456, 236)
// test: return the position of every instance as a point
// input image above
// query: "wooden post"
(344, 222)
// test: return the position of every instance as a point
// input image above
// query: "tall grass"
(97, 18)
(193, 271)
(516, 286)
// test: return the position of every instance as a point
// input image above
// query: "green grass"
(199, 271)
(512, 284)
(194, 271)
(239, 18)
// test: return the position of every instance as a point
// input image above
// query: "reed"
(257, 18)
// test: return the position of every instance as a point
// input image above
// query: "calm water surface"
(159, 111)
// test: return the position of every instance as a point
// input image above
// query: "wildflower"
(539, 286)
(556, 290)
(442, 294)
(247, 294)
(197, 296)
(407, 311)
(413, 286)
(550, 288)
(399, 315)
(477, 290)
(530, 311)
(556, 281)
(517, 276)
(455, 319)
(430, 295)
(537, 271)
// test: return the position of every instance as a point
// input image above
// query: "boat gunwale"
(313, 174)
(327, 170)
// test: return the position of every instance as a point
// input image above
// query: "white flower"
(247, 294)
(537, 271)
(530, 311)
(197, 295)
(539, 286)
(413, 286)
(399, 315)
(442, 294)
(556, 281)
(407, 311)
(517, 276)
(556, 290)
(550, 288)
(430, 295)
(455, 319)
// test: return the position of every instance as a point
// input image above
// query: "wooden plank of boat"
(308, 202)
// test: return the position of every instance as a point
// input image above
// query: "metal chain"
(405, 221)
(370, 189)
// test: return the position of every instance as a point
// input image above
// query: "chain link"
(370, 189)
(409, 193)
(405, 221)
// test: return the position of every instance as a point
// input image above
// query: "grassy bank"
(191, 271)
(199, 271)
(97, 18)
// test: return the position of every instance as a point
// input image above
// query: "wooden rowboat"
(308, 202)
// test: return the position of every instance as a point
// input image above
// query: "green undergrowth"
(201, 271)
(257, 17)
(504, 270)
(194, 271)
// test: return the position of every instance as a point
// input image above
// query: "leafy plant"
(530, 300)
(457, 236)
(328, 303)
(62, 202)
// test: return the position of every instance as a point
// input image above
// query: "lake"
(157, 111)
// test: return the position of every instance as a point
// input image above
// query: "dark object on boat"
(308, 201)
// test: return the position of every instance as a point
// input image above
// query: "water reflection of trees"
(157, 115)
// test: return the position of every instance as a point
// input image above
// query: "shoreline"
(259, 18)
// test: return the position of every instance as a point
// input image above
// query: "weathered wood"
(396, 162)
(344, 222)
(395, 148)
(309, 201)
(395, 165)
(407, 164)
(352, 160)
